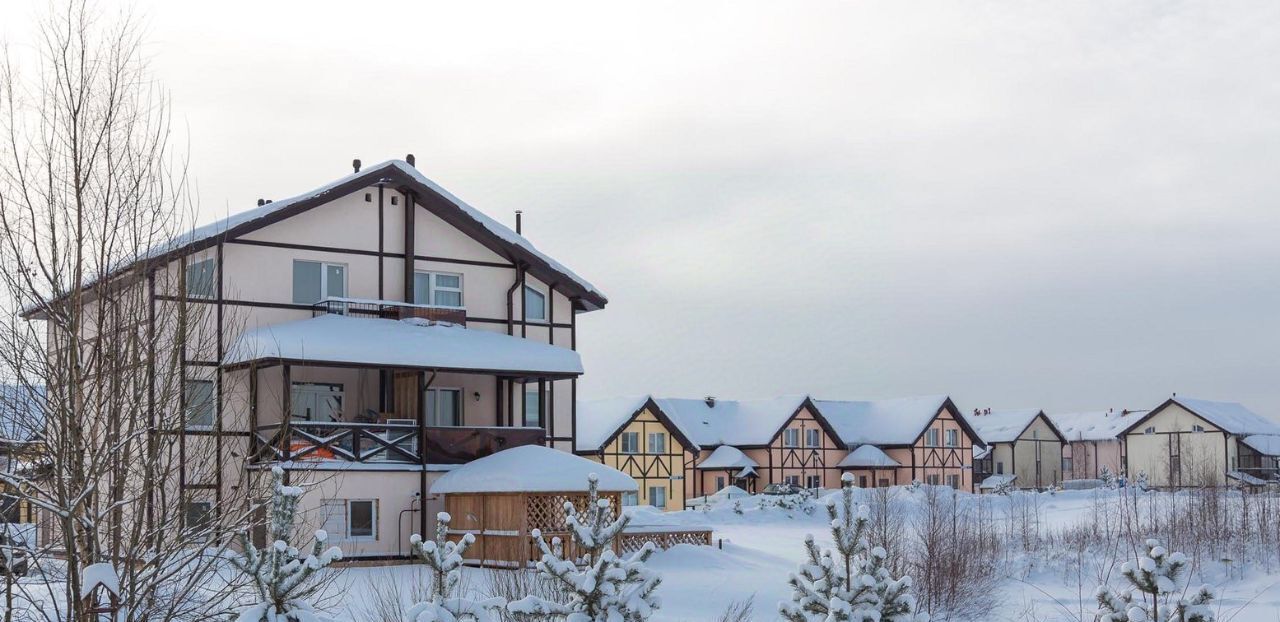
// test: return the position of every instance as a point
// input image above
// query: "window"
(1150, 430)
(999, 468)
(931, 480)
(437, 288)
(314, 281)
(657, 443)
(883, 482)
(198, 515)
(1197, 428)
(201, 279)
(631, 444)
(362, 520)
(953, 438)
(719, 483)
(791, 437)
(813, 481)
(532, 405)
(316, 401)
(953, 481)
(1066, 464)
(535, 304)
(813, 438)
(444, 407)
(862, 481)
(630, 498)
(792, 480)
(658, 496)
(931, 437)
(199, 403)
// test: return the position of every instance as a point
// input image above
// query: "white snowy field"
(758, 547)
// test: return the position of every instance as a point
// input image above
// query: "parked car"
(781, 489)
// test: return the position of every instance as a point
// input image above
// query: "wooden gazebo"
(502, 498)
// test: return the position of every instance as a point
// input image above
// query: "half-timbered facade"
(635, 436)
(1188, 442)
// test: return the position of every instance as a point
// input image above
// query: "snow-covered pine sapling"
(1156, 592)
(851, 584)
(1108, 478)
(599, 585)
(282, 576)
(445, 558)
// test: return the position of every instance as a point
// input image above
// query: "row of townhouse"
(681, 449)
(1182, 442)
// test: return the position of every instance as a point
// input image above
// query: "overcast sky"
(1065, 205)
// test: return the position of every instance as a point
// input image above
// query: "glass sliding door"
(444, 407)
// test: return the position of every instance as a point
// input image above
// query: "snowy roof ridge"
(598, 420)
(1265, 444)
(1003, 426)
(894, 421)
(868, 456)
(1096, 425)
(1233, 417)
(713, 422)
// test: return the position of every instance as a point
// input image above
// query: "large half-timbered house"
(635, 436)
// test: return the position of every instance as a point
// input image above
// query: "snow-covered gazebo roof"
(867, 456)
(995, 481)
(727, 457)
(410, 343)
(532, 468)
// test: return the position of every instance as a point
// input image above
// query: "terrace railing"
(386, 442)
(389, 309)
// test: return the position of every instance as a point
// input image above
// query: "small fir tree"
(851, 585)
(1108, 478)
(600, 585)
(281, 575)
(1157, 591)
(444, 558)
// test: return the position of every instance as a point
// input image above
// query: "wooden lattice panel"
(546, 511)
(632, 542)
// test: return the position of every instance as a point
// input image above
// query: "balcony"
(385, 443)
(389, 310)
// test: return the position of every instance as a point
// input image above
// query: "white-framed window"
(658, 496)
(1066, 464)
(314, 281)
(1149, 430)
(931, 480)
(630, 498)
(535, 304)
(202, 281)
(953, 481)
(532, 405)
(791, 437)
(953, 438)
(813, 482)
(441, 289)
(657, 443)
(630, 443)
(316, 401)
(362, 519)
(1197, 428)
(199, 403)
(444, 407)
(793, 480)
(931, 437)
(999, 468)
(197, 515)
(813, 437)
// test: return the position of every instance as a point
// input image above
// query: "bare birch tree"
(98, 327)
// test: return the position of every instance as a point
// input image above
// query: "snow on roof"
(997, 480)
(599, 419)
(868, 456)
(1002, 426)
(881, 422)
(1230, 416)
(103, 574)
(1246, 478)
(1265, 444)
(980, 451)
(505, 233)
(413, 342)
(532, 468)
(730, 422)
(1099, 425)
(727, 457)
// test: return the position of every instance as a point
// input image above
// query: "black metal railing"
(388, 309)
(385, 442)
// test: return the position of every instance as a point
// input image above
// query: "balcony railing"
(389, 309)
(385, 442)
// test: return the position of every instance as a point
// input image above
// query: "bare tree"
(99, 328)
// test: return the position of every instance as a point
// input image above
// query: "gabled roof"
(1231, 417)
(1005, 426)
(887, 423)
(745, 423)
(399, 174)
(601, 421)
(532, 468)
(867, 456)
(727, 457)
(1098, 425)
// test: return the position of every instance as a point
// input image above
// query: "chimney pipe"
(261, 202)
(355, 164)
(711, 401)
(518, 223)
(410, 159)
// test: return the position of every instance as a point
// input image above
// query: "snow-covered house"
(926, 439)
(1023, 443)
(635, 436)
(1260, 456)
(371, 335)
(1195, 442)
(1094, 444)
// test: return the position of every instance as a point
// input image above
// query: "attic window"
(395, 200)
(1197, 428)
(368, 197)
(1150, 430)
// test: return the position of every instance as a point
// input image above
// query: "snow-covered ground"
(757, 547)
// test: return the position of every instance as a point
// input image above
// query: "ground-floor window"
(883, 483)
(1066, 464)
(953, 481)
(197, 515)
(351, 519)
(630, 498)
(814, 481)
(793, 480)
(719, 483)
(931, 480)
(862, 481)
(658, 496)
